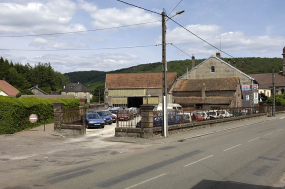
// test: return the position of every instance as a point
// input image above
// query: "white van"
(170, 106)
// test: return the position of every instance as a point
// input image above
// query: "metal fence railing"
(188, 115)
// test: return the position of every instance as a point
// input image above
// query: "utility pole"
(164, 77)
(273, 83)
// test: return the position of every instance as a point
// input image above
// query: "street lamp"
(164, 68)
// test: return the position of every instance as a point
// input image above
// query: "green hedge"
(13, 111)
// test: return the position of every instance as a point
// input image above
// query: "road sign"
(245, 87)
(33, 118)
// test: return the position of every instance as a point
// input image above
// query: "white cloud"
(114, 17)
(37, 17)
(231, 42)
(100, 62)
(45, 44)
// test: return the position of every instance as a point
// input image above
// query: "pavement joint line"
(198, 161)
(269, 134)
(146, 181)
(253, 139)
(231, 147)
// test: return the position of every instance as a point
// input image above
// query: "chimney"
(64, 86)
(193, 61)
(234, 64)
(36, 85)
(283, 61)
(218, 54)
(229, 61)
(204, 91)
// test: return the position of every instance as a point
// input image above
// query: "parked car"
(104, 116)
(186, 117)
(113, 116)
(202, 114)
(93, 120)
(224, 113)
(124, 115)
(214, 114)
(198, 116)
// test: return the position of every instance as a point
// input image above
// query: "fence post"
(147, 120)
(57, 115)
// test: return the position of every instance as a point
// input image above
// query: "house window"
(213, 69)
(282, 91)
(75, 94)
(84, 94)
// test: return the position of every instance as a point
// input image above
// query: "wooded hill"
(23, 77)
(253, 65)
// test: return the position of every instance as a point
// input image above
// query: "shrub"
(15, 111)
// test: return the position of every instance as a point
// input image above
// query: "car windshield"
(108, 113)
(93, 116)
(212, 113)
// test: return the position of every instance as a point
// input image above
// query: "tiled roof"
(8, 89)
(266, 79)
(206, 100)
(138, 80)
(212, 84)
(75, 87)
(35, 87)
(48, 96)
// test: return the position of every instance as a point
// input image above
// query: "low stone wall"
(71, 130)
(144, 132)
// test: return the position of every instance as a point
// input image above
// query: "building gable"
(214, 67)
(8, 89)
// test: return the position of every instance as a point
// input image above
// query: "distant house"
(135, 89)
(37, 91)
(7, 89)
(265, 81)
(78, 91)
(213, 93)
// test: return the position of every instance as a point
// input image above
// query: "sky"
(106, 35)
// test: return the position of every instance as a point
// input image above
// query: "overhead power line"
(139, 7)
(174, 8)
(180, 50)
(82, 31)
(200, 38)
(107, 48)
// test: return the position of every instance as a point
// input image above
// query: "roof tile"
(8, 89)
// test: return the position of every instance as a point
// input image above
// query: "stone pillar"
(57, 115)
(147, 120)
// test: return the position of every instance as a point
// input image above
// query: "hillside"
(253, 65)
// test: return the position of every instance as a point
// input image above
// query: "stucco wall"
(221, 70)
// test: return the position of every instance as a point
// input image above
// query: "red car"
(124, 115)
(197, 116)
(113, 116)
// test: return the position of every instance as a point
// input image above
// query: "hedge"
(13, 111)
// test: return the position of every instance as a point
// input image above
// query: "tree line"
(23, 77)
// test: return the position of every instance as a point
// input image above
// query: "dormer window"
(212, 69)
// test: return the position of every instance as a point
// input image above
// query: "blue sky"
(245, 29)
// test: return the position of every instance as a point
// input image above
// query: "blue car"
(93, 120)
(157, 120)
(104, 116)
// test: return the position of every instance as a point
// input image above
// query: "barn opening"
(135, 102)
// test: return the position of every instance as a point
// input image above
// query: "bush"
(16, 111)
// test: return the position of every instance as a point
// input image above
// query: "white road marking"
(253, 139)
(146, 181)
(269, 134)
(198, 161)
(232, 147)
(279, 130)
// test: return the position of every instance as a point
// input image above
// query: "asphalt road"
(251, 156)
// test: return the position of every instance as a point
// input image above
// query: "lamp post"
(164, 72)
